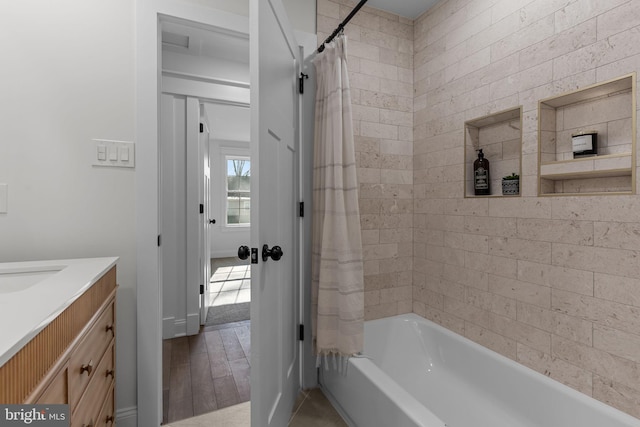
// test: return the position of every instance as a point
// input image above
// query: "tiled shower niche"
(499, 135)
(608, 108)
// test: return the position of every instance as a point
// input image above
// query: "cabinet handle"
(109, 419)
(110, 373)
(88, 368)
(110, 328)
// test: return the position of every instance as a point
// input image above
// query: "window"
(238, 190)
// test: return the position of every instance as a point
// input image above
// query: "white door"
(274, 291)
(205, 218)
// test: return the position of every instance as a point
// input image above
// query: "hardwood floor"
(206, 372)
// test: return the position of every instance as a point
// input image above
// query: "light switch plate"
(109, 153)
(4, 198)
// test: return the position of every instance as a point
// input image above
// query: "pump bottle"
(481, 178)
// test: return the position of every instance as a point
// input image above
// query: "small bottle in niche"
(481, 178)
(585, 144)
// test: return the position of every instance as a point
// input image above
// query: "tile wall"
(552, 282)
(380, 62)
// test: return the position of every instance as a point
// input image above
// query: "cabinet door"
(57, 391)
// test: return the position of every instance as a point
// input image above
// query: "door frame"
(148, 254)
(149, 14)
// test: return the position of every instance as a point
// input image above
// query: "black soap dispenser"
(481, 178)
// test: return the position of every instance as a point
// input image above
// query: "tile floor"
(312, 409)
(230, 285)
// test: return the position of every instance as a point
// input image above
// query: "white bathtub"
(420, 374)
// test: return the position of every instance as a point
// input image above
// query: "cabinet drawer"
(92, 402)
(84, 361)
(107, 417)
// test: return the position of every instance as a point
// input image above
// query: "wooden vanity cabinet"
(80, 373)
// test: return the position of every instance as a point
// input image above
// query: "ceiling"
(407, 8)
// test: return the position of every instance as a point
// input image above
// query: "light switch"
(110, 153)
(113, 153)
(4, 196)
(102, 152)
(124, 154)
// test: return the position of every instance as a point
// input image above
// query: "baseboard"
(172, 328)
(127, 417)
(192, 323)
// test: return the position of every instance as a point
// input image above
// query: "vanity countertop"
(33, 293)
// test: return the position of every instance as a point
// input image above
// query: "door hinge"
(201, 289)
(159, 240)
(201, 128)
(301, 333)
(301, 209)
(201, 208)
(301, 80)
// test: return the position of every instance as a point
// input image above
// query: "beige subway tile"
(490, 226)
(567, 279)
(328, 8)
(623, 290)
(490, 340)
(368, 175)
(617, 342)
(548, 230)
(528, 250)
(597, 361)
(371, 298)
(371, 267)
(370, 237)
(368, 159)
(520, 208)
(623, 397)
(476, 243)
(501, 325)
(472, 207)
(491, 302)
(380, 311)
(445, 222)
(572, 38)
(404, 148)
(557, 323)
(429, 297)
(396, 161)
(471, 27)
(558, 369)
(596, 208)
(394, 176)
(612, 108)
(379, 130)
(619, 235)
(404, 306)
(446, 255)
(405, 90)
(396, 236)
(531, 34)
(574, 13)
(380, 251)
(520, 291)
(505, 267)
(600, 260)
(449, 321)
(601, 312)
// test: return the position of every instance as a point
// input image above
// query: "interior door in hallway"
(274, 143)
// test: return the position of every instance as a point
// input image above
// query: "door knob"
(243, 252)
(212, 221)
(275, 253)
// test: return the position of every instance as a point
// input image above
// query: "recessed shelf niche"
(608, 108)
(499, 135)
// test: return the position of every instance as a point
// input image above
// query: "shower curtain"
(337, 267)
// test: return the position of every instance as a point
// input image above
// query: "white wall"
(302, 13)
(67, 77)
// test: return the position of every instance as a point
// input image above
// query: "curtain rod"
(342, 24)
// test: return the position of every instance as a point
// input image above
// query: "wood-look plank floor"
(206, 372)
